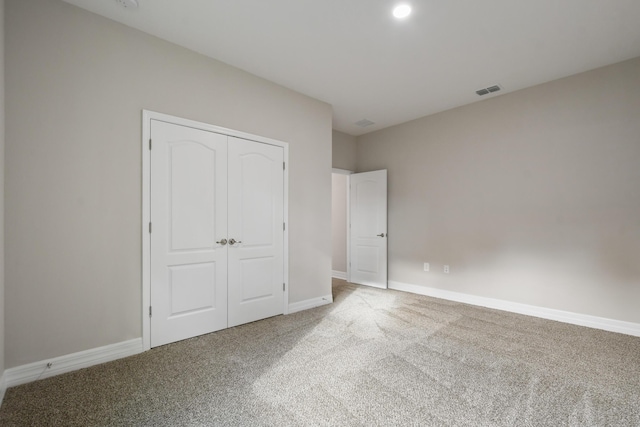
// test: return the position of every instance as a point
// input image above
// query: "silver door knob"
(222, 242)
(381, 235)
(233, 241)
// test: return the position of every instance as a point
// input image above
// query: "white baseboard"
(3, 386)
(595, 322)
(310, 303)
(339, 274)
(71, 362)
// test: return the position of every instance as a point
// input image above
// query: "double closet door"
(217, 240)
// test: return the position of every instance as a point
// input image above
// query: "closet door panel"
(188, 216)
(256, 216)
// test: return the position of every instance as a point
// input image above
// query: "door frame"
(347, 173)
(147, 116)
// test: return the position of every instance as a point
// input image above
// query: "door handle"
(381, 235)
(222, 242)
(233, 241)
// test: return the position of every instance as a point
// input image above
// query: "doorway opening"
(340, 223)
(359, 227)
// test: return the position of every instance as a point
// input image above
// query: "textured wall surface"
(530, 197)
(339, 222)
(2, 308)
(344, 151)
(76, 86)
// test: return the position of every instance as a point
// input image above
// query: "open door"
(368, 228)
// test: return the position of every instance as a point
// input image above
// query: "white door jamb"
(347, 173)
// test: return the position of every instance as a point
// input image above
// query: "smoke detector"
(128, 4)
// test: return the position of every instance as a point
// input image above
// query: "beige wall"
(344, 157)
(2, 309)
(339, 222)
(76, 85)
(531, 197)
(344, 151)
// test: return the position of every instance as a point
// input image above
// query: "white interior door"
(188, 216)
(256, 222)
(368, 228)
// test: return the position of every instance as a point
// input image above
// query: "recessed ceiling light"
(402, 11)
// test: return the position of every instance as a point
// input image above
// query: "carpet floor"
(372, 358)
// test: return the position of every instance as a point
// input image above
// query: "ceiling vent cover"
(364, 123)
(487, 90)
(128, 4)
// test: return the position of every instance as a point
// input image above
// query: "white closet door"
(188, 215)
(256, 214)
(368, 222)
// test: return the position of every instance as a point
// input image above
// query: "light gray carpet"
(372, 358)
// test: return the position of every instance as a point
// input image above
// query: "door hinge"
(149, 311)
(149, 227)
(283, 287)
(149, 143)
(284, 227)
(283, 166)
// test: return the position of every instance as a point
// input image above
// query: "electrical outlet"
(426, 266)
(446, 269)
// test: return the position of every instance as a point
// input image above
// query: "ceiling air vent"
(364, 123)
(128, 4)
(489, 89)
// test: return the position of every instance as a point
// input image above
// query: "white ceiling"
(355, 56)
